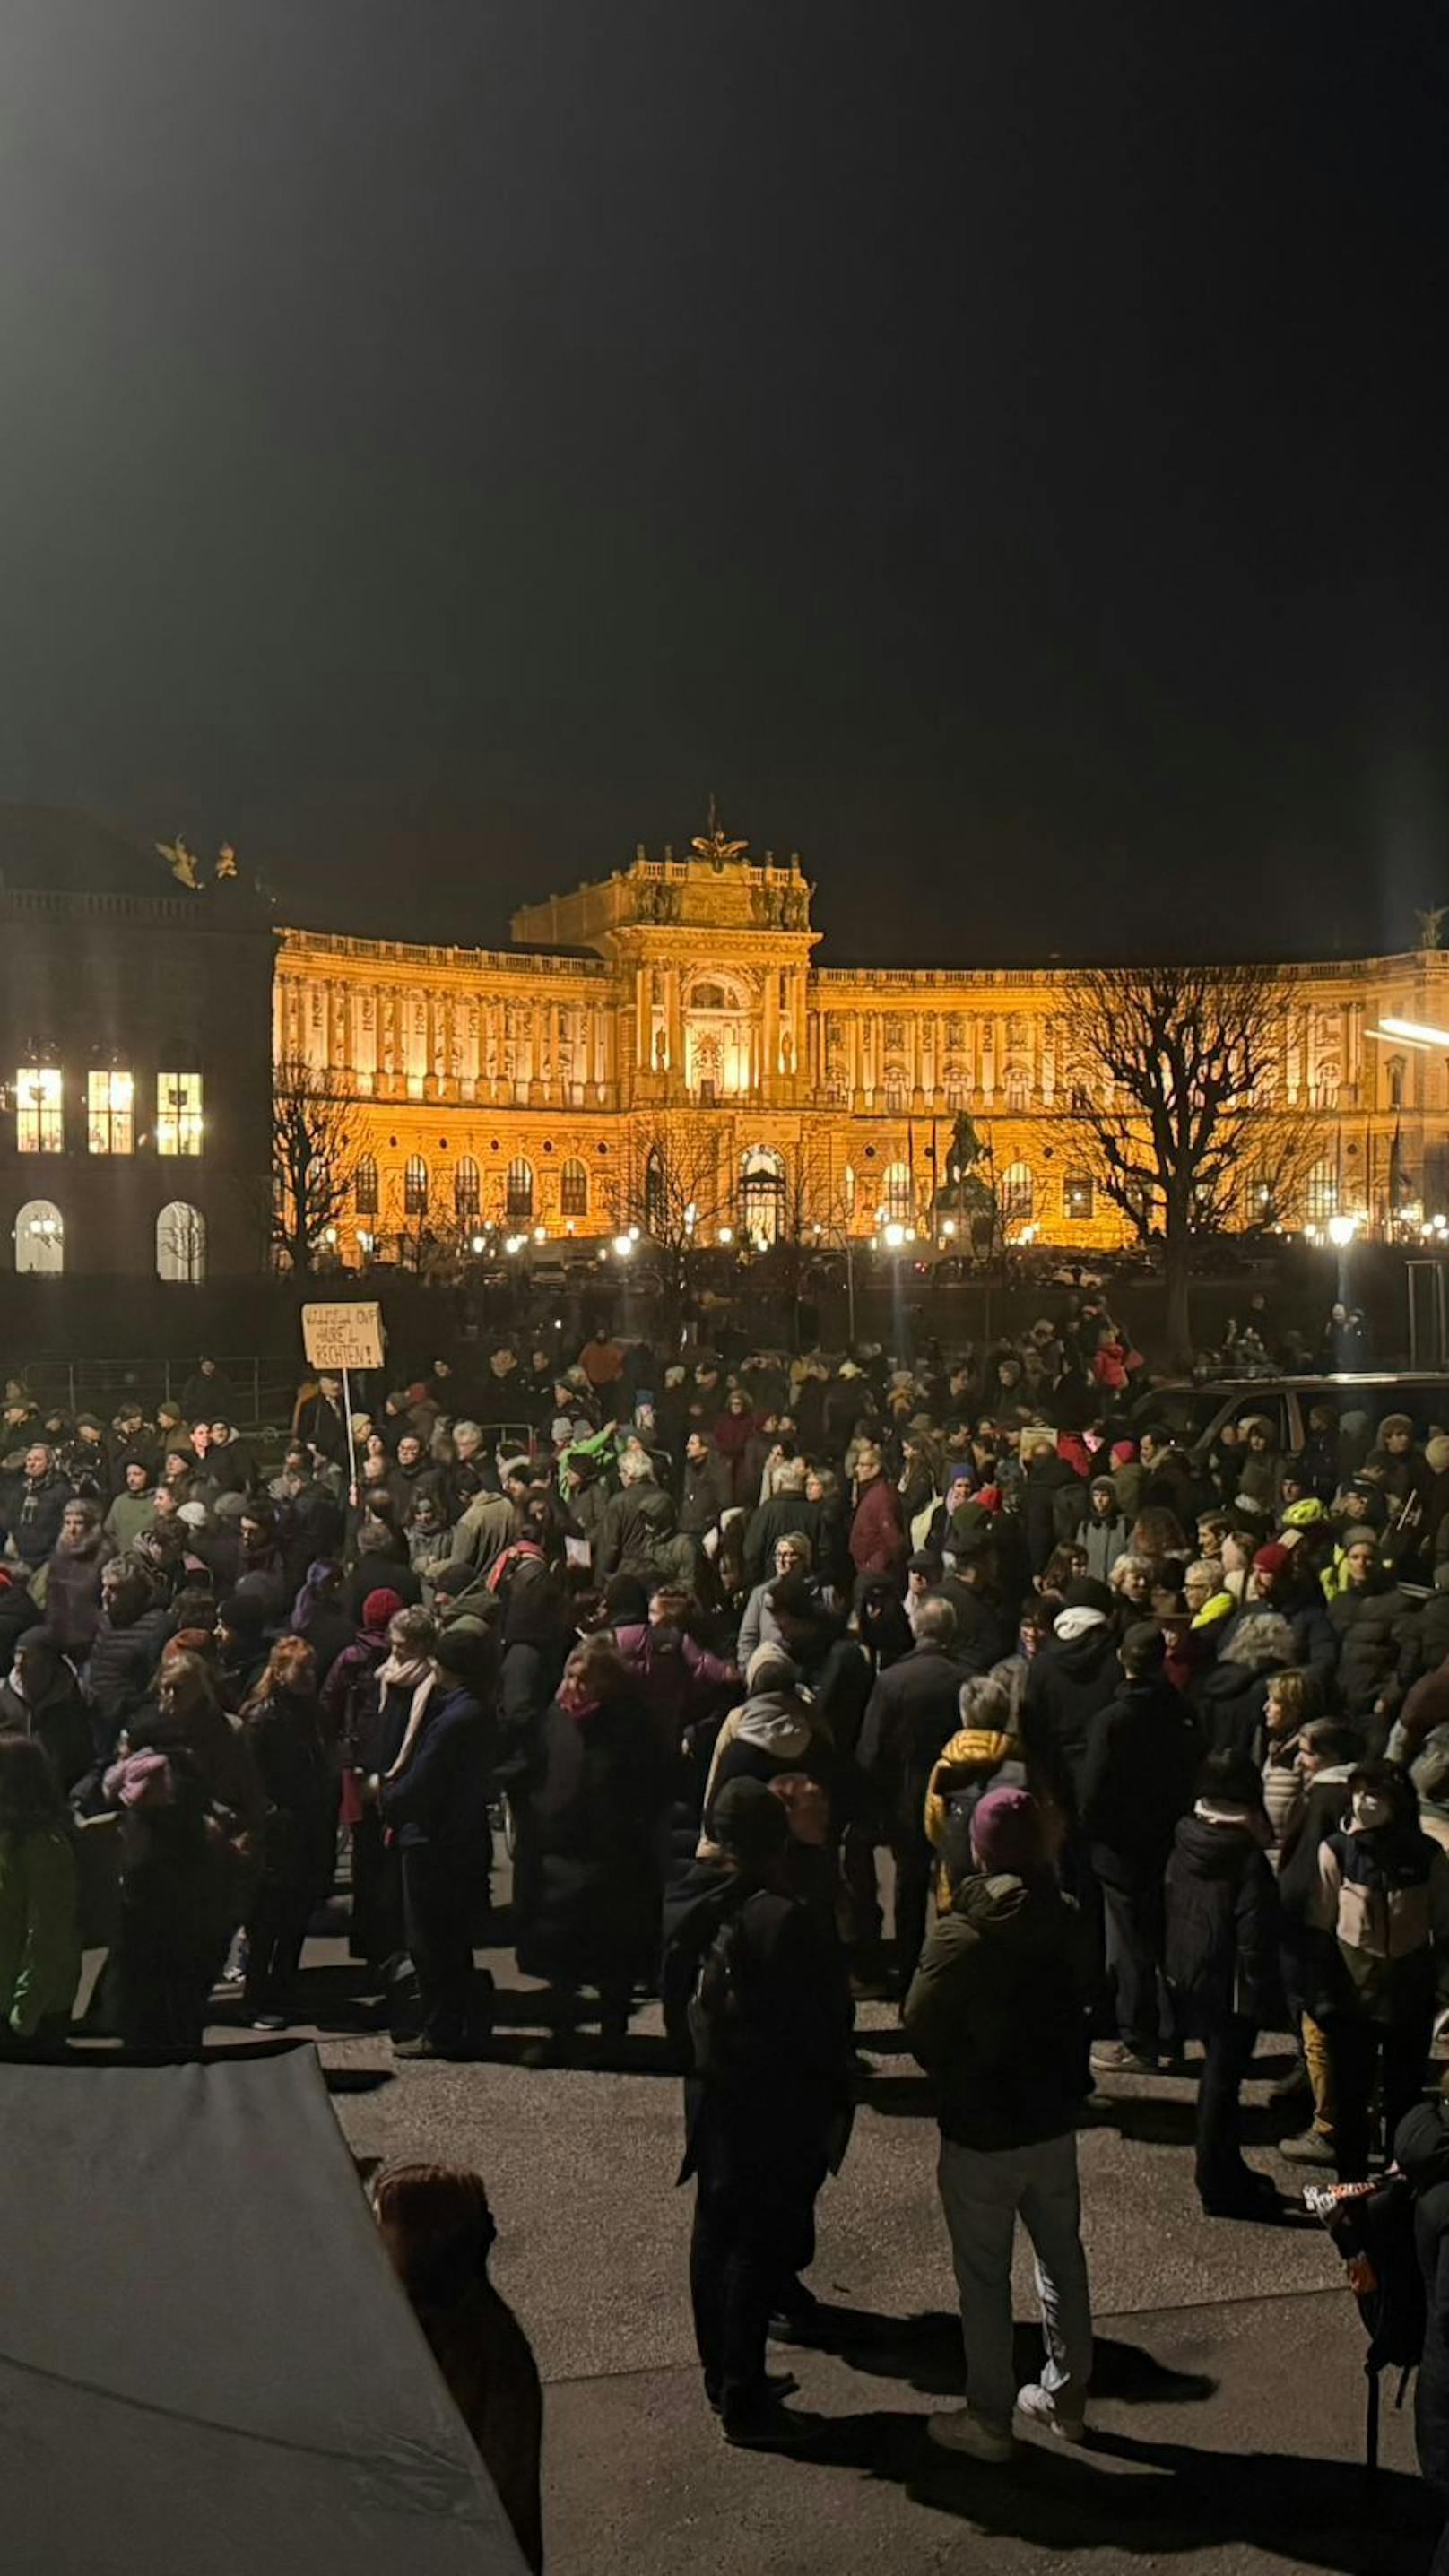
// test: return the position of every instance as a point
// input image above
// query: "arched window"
(898, 1194)
(847, 1190)
(364, 1185)
(518, 1191)
(415, 1186)
(762, 1194)
(467, 1192)
(181, 1243)
(1018, 1194)
(1320, 1195)
(573, 1194)
(40, 1238)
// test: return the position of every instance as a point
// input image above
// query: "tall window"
(1018, 1194)
(466, 1188)
(1079, 1197)
(39, 1110)
(415, 1186)
(519, 1191)
(40, 1238)
(900, 1195)
(364, 1185)
(1320, 1197)
(847, 1191)
(181, 1244)
(573, 1196)
(178, 1113)
(110, 1113)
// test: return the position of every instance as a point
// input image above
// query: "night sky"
(1000, 449)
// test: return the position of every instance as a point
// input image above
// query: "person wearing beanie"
(997, 2016)
(242, 1645)
(756, 1999)
(1136, 1784)
(1074, 1675)
(1223, 1933)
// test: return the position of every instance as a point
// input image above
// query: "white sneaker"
(1039, 2406)
(963, 2431)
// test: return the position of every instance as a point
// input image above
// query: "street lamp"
(623, 1246)
(1341, 1231)
(726, 1234)
(895, 1236)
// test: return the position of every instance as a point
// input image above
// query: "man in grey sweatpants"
(997, 2013)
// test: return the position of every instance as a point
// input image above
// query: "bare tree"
(672, 1189)
(1176, 1100)
(316, 1141)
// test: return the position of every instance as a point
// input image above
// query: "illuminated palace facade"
(679, 999)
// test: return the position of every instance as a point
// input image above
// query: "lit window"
(1018, 1194)
(415, 1186)
(1321, 1193)
(467, 1187)
(181, 1244)
(1079, 1198)
(364, 1186)
(900, 1194)
(110, 1120)
(518, 1191)
(39, 1112)
(574, 1190)
(178, 1113)
(40, 1238)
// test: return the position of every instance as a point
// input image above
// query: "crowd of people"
(1137, 1749)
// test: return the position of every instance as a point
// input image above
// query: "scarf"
(414, 1673)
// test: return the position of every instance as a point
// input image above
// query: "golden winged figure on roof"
(712, 844)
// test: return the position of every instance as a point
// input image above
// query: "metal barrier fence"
(260, 1391)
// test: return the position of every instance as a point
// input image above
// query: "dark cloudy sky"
(999, 445)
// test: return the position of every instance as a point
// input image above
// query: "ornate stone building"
(674, 1012)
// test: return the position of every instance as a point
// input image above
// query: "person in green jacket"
(40, 1951)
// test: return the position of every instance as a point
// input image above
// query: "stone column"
(674, 1008)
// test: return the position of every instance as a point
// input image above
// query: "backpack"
(961, 1802)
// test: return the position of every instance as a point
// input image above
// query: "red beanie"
(1272, 1559)
(379, 1607)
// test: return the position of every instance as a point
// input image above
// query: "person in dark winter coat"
(788, 1510)
(1231, 1696)
(1382, 1914)
(283, 1727)
(435, 1800)
(1051, 1497)
(72, 1578)
(35, 1506)
(705, 1489)
(1222, 1966)
(438, 2230)
(1137, 1783)
(594, 1809)
(125, 1650)
(1421, 2152)
(755, 1991)
(1168, 1483)
(912, 1713)
(1373, 1623)
(42, 1699)
(318, 1614)
(1075, 1674)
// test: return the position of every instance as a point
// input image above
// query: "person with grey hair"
(1231, 1697)
(758, 1626)
(911, 1715)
